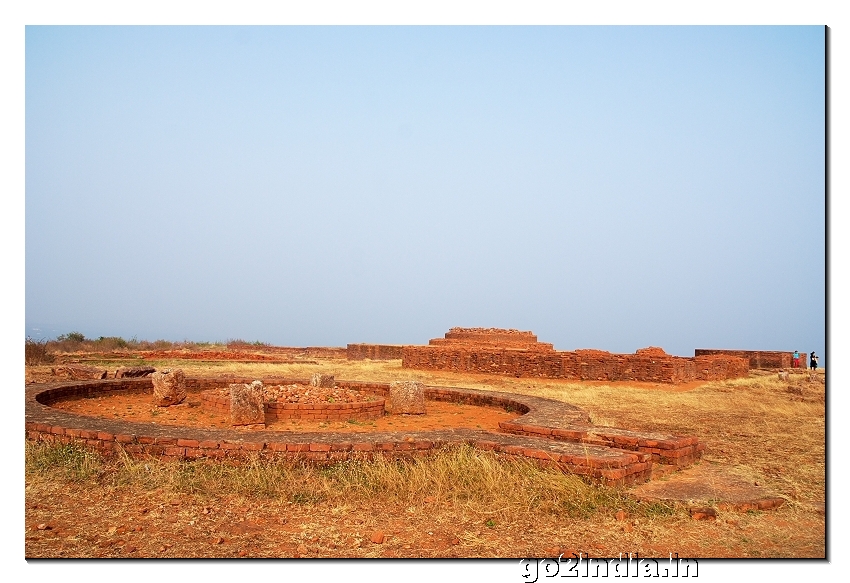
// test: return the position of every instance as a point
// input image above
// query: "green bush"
(72, 337)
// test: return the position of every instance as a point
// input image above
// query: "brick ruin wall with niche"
(518, 354)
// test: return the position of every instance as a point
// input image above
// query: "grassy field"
(458, 503)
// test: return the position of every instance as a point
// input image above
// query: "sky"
(603, 187)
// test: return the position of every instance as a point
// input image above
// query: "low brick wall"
(549, 432)
(362, 411)
(590, 365)
(758, 359)
(485, 360)
(373, 351)
(519, 354)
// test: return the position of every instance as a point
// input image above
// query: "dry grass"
(36, 353)
(478, 481)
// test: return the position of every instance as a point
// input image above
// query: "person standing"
(795, 362)
(813, 360)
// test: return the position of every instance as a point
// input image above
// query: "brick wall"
(360, 411)
(480, 350)
(765, 359)
(373, 351)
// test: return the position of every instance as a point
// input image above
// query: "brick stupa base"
(550, 432)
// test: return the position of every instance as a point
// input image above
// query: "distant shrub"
(238, 343)
(110, 343)
(71, 337)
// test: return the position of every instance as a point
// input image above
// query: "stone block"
(246, 404)
(132, 372)
(169, 387)
(322, 380)
(406, 397)
(79, 372)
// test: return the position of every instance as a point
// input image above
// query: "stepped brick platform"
(519, 354)
(758, 359)
(547, 431)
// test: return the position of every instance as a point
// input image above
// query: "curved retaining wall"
(549, 432)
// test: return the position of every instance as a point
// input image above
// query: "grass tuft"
(35, 352)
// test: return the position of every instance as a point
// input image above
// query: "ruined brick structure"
(519, 354)
(373, 351)
(764, 359)
(551, 433)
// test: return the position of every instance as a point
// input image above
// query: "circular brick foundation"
(550, 432)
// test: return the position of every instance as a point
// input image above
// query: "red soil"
(139, 407)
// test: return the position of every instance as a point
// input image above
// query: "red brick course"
(373, 351)
(549, 432)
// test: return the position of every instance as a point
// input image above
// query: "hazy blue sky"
(605, 187)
